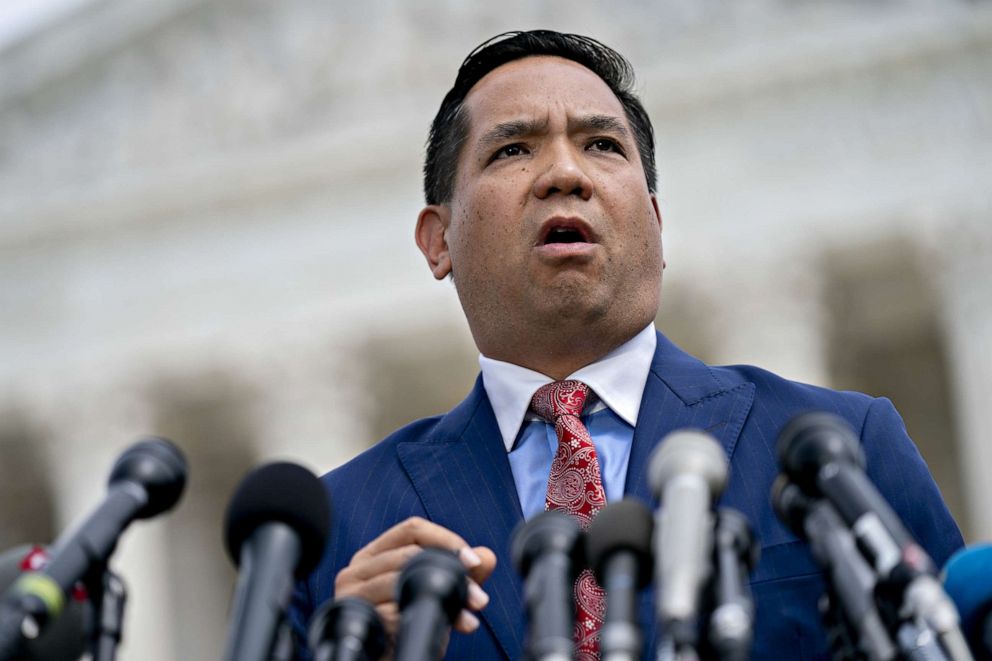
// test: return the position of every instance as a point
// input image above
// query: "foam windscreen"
(280, 492)
(626, 525)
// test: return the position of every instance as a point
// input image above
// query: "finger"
(390, 614)
(469, 557)
(414, 530)
(477, 597)
(362, 569)
(487, 563)
(466, 622)
(376, 590)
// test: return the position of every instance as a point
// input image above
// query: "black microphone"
(618, 548)
(347, 629)
(146, 480)
(274, 530)
(431, 591)
(547, 552)
(821, 453)
(687, 473)
(967, 578)
(64, 638)
(851, 579)
(735, 550)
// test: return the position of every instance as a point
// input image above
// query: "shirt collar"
(618, 379)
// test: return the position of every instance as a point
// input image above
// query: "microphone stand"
(856, 622)
(282, 650)
(108, 595)
(842, 637)
(729, 624)
(669, 651)
(913, 640)
(914, 633)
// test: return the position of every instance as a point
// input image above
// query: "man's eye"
(605, 144)
(509, 151)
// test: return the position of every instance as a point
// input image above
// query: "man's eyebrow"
(516, 128)
(519, 128)
(591, 123)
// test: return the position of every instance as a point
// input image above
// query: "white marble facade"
(206, 213)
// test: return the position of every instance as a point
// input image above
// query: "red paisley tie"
(575, 486)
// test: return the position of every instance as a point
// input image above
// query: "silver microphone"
(687, 474)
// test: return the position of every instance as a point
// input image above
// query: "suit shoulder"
(780, 393)
(382, 452)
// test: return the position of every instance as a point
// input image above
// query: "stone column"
(966, 301)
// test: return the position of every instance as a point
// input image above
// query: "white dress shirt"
(617, 382)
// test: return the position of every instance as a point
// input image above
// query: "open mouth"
(565, 230)
(564, 235)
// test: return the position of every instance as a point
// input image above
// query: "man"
(540, 184)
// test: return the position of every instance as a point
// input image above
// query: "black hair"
(450, 126)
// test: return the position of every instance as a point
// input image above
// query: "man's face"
(551, 218)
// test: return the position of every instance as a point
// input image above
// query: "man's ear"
(657, 214)
(431, 226)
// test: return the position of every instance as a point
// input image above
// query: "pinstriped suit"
(453, 470)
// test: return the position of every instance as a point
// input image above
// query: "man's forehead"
(530, 86)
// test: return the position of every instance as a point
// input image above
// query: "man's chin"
(571, 303)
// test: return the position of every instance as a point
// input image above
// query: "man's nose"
(563, 174)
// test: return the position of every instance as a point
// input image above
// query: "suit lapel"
(463, 478)
(682, 392)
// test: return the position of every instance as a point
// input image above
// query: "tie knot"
(559, 398)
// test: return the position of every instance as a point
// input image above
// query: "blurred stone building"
(207, 209)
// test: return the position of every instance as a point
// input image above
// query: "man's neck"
(557, 357)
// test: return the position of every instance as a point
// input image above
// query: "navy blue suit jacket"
(453, 470)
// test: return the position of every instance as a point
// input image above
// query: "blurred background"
(206, 232)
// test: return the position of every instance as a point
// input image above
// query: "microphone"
(275, 529)
(833, 546)
(731, 624)
(968, 582)
(618, 548)
(821, 453)
(547, 553)
(687, 473)
(146, 480)
(432, 589)
(347, 629)
(65, 638)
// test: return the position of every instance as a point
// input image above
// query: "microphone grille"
(790, 504)
(688, 451)
(159, 467)
(552, 530)
(810, 440)
(735, 530)
(437, 573)
(626, 525)
(347, 621)
(965, 579)
(280, 492)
